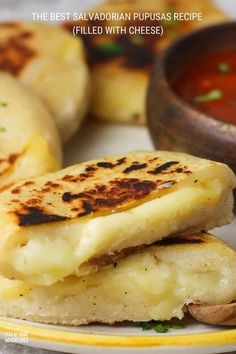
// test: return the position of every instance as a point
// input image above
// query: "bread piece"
(29, 144)
(153, 284)
(51, 62)
(64, 223)
(121, 63)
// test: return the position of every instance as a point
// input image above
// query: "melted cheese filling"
(146, 287)
(53, 251)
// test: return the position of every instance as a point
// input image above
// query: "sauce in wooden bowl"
(209, 84)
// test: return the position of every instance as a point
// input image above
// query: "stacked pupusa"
(116, 239)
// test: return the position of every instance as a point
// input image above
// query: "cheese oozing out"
(155, 283)
(45, 254)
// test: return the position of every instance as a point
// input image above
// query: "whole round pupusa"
(121, 62)
(51, 62)
(29, 139)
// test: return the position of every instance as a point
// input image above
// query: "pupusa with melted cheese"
(51, 62)
(29, 141)
(121, 62)
(73, 220)
(154, 283)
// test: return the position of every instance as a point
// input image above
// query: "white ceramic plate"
(96, 140)
(127, 339)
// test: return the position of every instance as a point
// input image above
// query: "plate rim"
(217, 338)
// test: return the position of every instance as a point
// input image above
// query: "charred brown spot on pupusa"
(165, 166)
(89, 172)
(13, 157)
(172, 241)
(153, 159)
(106, 164)
(11, 25)
(165, 169)
(34, 201)
(101, 198)
(124, 184)
(15, 53)
(67, 178)
(87, 209)
(134, 167)
(70, 178)
(35, 215)
(68, 197)
(105, 197)
(28, 183)
(16, 190)
(90, 169)
(6, 163)
(180, 170)
(53, 185)
(187, 172)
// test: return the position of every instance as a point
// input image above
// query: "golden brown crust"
(99, 187)
(15, 51)
(49, 60)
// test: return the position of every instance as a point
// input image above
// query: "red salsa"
(209, 84)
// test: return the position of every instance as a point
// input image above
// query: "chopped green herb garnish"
(178, 326)
(3, 104)
(136, 39)
(210, 96)
(171, 22)
(2, 129)
(136, 116)
(145, 325)
(172, 34)
(161, 328)
(224, 67)
(111, 48)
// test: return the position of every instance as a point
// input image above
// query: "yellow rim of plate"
(226, 337)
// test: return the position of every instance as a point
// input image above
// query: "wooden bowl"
(173, 123)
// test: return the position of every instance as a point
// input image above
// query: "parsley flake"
(3, 104)
(111, 48)
(171, 21)
(145, 325)
(160, 326)
(136, 39)
(210, 96)
(224, 67)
